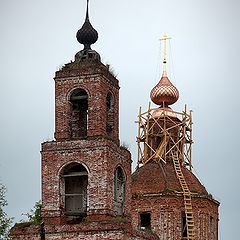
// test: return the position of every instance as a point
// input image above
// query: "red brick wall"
(100, 157)
(97, 82)
(99, 152)
(166, 210)
(109, 230)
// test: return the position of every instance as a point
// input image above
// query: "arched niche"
(119, 190)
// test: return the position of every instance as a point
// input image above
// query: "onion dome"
(87, 35)
(164, 93)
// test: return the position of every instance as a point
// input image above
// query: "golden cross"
(164, 39)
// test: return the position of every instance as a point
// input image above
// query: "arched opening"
(79, 113)
(184, 225)
(145, 220)
(119, 190)
(212, 233)
(109, 113)
(75, 181)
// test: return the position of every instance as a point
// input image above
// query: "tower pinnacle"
(164, 93)
(87, 35)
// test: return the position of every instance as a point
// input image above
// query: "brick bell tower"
(85, 172)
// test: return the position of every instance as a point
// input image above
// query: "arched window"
(79, 113)
(75, 181)
(109, 113)
(119, 190)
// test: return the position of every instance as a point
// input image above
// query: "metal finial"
(87, 16)
(87, 35)
(164, 39)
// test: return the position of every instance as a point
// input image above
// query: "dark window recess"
(79, 113)
(109, 113)
(42, 231)
(184, 225)
(75, 191)
(109, 128)
(109, 101)
(119, 190)
(212, 228)
(145, 220)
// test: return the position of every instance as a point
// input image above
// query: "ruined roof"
(159, 177)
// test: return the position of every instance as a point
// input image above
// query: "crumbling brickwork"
(95, 154)
(110, 230)
(101, 157)
(156, 190)
(151, 199)
(166, 211)
(88, 191)
(98, 82)
(99, 152)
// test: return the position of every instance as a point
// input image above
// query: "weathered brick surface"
(166, 210)
(29, 232)
(100, 157)
(111, 229)
(157, 190)
(95, 79)
(153, 188)
(99, 152)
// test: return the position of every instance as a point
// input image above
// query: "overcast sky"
(37, 37)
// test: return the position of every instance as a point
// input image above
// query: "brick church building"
(88, 189)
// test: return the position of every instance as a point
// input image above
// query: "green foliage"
(111, 70)
(5, 221)
(169, 190)
(124, 146)
(34, 215)
(210, 195)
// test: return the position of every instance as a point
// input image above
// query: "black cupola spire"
(87, 35)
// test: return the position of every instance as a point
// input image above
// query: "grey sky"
(37, 37)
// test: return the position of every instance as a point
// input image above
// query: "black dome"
(87, 35)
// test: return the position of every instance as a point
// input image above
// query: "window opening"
(75, 178)
(211, 228)
(145, 221)
(42, 231)
(109, 101)
(119, 196)
(184, 225)
(79, 113)
(110, 113)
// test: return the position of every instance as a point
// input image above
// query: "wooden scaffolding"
(166, 135)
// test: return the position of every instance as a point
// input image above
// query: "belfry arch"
(78, 113)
